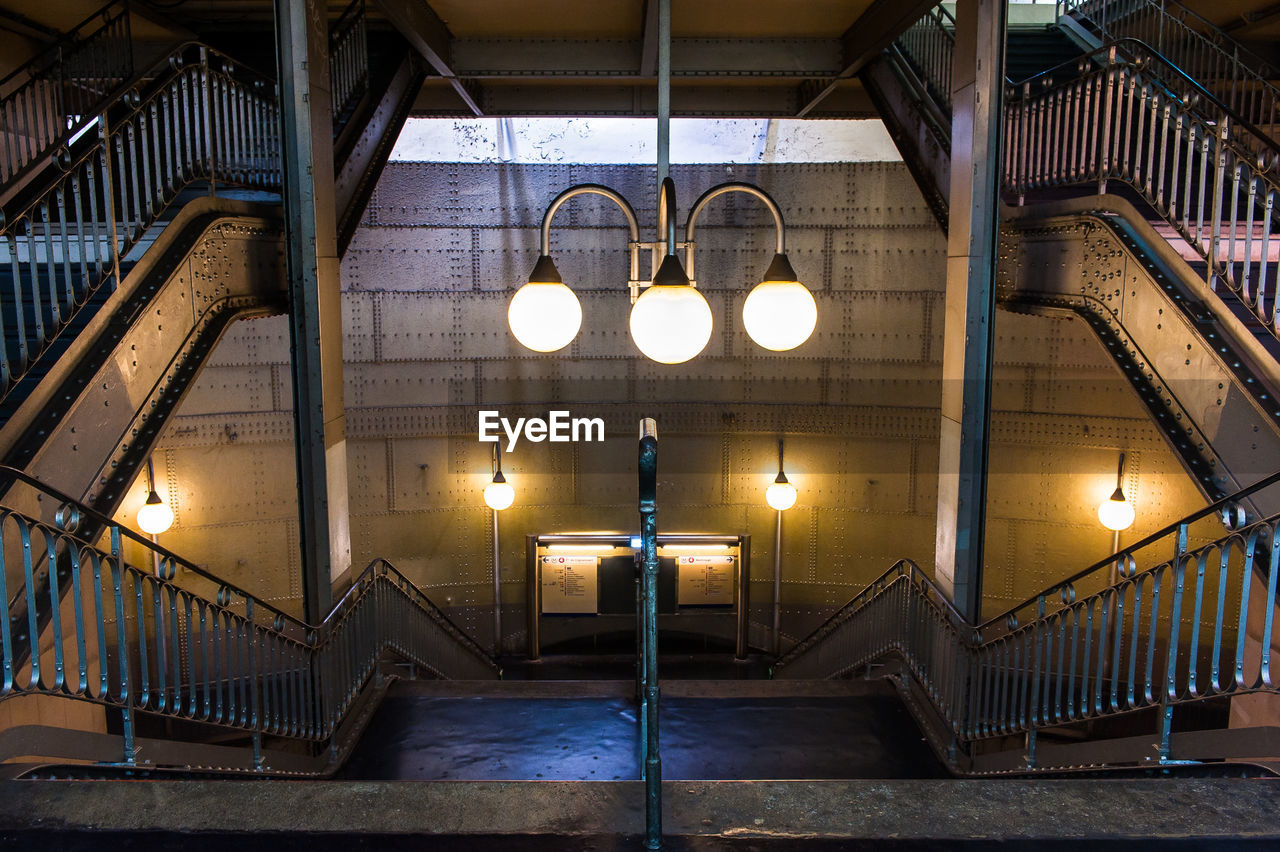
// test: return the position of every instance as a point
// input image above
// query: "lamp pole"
(497, 570)
(777, 587)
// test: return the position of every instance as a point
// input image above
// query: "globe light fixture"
(155, 516)
(1116, 513)
(499, 494)
(671, 321)
(780, 313)
(544, 315)
(780, 494)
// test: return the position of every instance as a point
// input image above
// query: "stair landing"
(588, 731)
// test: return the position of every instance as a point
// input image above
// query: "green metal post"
(649, 538)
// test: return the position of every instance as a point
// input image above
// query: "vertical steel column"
(976, 89)
(648, 468)
(664, 94)
(315, 328)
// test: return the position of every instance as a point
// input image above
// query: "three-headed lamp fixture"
(671, 321)
(780, 494)
(1116, 513)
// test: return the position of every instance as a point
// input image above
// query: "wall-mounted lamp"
(498, 494)
(671, 321)
(1116, 513)
(155, 516)
(780, 494)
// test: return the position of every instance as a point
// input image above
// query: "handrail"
(178, 642)
(1227, 507)
(1191, 42)
(202, 117)
(929, 43)
(210, 119)
(1121, 119)
(59, 92)
(348, 58)
(1193, 626)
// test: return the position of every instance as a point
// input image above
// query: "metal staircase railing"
(60, 92)
(176, 642)
(1239, 77)
(1114, 121)
(1159, 625)
(200, 117)
(348, 59)
(209, 119)
(1117, 115)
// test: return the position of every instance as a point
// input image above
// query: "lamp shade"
(671, 323)
(155, 516)
(780, 315)
(499, 494)
(780, 494)
(544, 315)
(1116, 513)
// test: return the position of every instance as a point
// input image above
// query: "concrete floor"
(587, 731)
(577, 816)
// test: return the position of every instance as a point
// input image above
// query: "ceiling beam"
(544, 58)
(874, 30)
(621, 98)
(423, 29)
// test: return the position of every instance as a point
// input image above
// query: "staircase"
(1169, 197)
(1128, 667)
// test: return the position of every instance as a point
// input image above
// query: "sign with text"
(705, 580)
(569, 584)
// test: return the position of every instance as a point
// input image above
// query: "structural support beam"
(423, 29)
(315, 311)
(977, 84)
(874, 30)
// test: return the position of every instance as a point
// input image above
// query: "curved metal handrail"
(179, 642)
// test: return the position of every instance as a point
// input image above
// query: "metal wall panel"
(427, 280)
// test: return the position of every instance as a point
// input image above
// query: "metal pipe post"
(648, 468)
(777, 587)
(744, 598)
(533, 598)
(497, 589)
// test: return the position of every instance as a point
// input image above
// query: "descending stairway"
(155, 230)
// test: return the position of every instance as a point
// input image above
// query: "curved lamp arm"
(732, 186)
(587, 189)
(667, 214)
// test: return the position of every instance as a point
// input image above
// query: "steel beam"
(315, 329)
(580, 98)
(423, 29)
(540, 58)
(874, 30)
(968, 335)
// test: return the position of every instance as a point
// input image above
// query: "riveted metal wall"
(427, 279)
